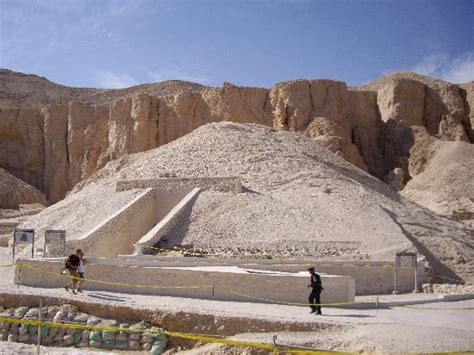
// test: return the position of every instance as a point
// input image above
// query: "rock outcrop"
(446, 185)
(14, 192)
(411, 105)
(388, 125)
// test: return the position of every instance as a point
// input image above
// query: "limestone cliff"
(387, 125)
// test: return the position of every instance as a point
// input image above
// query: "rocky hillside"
(299, 199)
(53, 137)
(18, 90)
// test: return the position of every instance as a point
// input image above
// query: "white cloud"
(431, 64)
(176, 73)
(461, 71)
(110, 80)
(455, 70)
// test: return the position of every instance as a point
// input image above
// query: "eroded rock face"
(343, 120)
(22, 144)
(389, 124)
(180, 114)
(409, 102)
(14, 192)
(467, 91)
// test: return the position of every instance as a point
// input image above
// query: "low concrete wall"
(169, 221)
(263, 286)
(223, 184)
(371, 277)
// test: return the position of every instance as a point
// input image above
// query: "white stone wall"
(371, 277)
(167, 223)
(263, 287)
(117, 234)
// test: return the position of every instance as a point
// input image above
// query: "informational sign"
(54, 242)
(24, 236)
(405, 259)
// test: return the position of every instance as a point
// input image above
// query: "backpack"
(71, 262)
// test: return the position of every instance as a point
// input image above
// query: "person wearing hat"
(315, 295)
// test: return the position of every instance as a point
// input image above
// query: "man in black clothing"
(315, 295)
(72, 264)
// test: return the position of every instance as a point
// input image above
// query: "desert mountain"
(53, 137)
(18, 90)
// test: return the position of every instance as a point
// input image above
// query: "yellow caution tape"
(232, 291)
(222, 289)
(38, 270)
(189, 336)
(435, 309)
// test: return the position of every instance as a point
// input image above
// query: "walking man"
(72, 265)
(315, 295)
(81, 269)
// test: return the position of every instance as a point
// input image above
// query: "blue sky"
(119, 43)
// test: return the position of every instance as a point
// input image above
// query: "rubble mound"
(299, 199)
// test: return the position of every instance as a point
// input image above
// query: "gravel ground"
(27, 349)
(430, 327)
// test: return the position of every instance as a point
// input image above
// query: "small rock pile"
(448, 289)
(136, 336)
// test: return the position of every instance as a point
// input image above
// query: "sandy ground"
(430, 327)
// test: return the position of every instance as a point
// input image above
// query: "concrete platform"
(372, 277)
(225, 283)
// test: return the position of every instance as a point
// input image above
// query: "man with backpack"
(315, 295)
(72, 265)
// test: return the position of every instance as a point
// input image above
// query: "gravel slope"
(299, 199)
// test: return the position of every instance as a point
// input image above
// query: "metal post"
(213, 292)
(416, 277)
(275, 349)
(39, 327)
(33, 247)
(14, 245)
(19, 277)
(395, 275)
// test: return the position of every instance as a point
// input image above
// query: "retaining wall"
(262, 286)
(167, 223)
(371, 277)
(118, 233)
